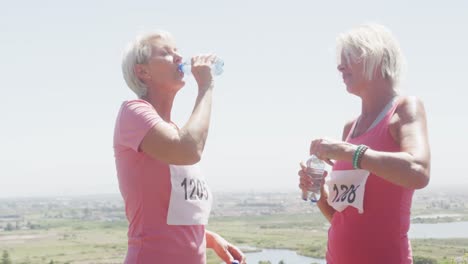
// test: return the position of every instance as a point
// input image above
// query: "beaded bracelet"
(357, 156)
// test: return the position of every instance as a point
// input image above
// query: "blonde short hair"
(375, 46)
(139, 52)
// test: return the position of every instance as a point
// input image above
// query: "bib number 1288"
(345, 193)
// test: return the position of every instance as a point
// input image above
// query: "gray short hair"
(374, 45)
(139, 52)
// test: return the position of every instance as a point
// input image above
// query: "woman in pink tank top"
(167, 199)
(383, 156)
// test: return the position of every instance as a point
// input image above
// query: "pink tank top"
(379, 234)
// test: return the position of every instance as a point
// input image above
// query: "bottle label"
(346, 188)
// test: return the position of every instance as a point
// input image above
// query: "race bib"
(191, 198)
(346, 188)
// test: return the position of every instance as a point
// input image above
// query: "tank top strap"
(351, 131)
(386, 113)
(395, 103)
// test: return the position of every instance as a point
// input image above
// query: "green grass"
(69, 241)
(74, 241)
(443, 250)
(304, 233)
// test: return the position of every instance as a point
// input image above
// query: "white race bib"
(191, 198)
(346, 188)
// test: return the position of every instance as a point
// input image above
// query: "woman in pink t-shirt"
(383, 156)
(167, 199)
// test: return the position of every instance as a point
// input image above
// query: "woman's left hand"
(225, 250)
(329, 149)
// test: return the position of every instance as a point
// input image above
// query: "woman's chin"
(351, 90)
(179, 83)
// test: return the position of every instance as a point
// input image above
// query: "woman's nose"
(177, 58)
(341, 67)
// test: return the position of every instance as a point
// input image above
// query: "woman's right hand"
(201, 70)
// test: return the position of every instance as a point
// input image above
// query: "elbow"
(422, 177)
(192, 147)
(422, 183)
(190, 151)
(193, 156)
(196, 151)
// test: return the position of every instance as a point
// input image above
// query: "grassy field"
(67, 241)
(74, 241)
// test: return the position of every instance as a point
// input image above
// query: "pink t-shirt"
(379, 233)
(160, 231)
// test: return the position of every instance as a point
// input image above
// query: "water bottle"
(216, 67)
(315, 169)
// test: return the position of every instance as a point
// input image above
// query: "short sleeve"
(135, 119)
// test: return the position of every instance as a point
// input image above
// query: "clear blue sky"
(62, 85)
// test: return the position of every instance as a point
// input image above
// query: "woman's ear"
(142, 72)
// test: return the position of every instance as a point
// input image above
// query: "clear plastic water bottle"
(315, 169)
(216, 67)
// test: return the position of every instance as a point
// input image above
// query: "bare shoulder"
(347, 129)
(410, 107)
(410, 110)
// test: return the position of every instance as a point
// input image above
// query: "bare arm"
(323, 205)
(185, 146)
(225, 250)
(410, 167)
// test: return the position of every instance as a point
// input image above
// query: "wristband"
(357, 156)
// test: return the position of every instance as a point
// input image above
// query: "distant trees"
(5, 258)
(423, 260)
(269, 262)
(32, 226)
(86, 212)
(9, 227)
